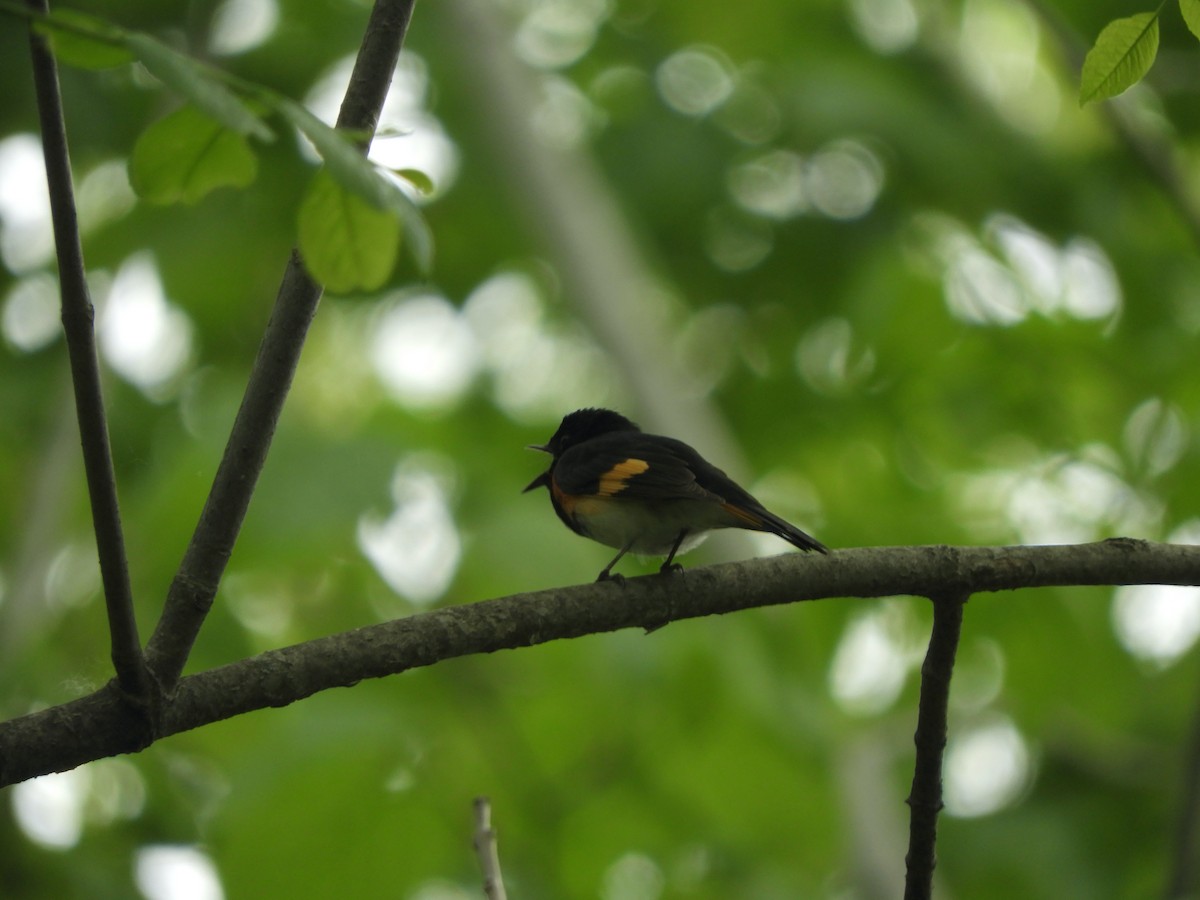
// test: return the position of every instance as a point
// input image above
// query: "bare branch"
(925, 799)
(77, 319)
(191, 593)
(98, 725)
(485, 849)
(1184, 878)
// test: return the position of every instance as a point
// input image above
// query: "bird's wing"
(636, 467)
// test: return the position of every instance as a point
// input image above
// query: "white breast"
(653, 533)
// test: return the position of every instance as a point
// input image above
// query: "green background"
(913, 346)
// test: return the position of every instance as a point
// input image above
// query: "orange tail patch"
(751, 520)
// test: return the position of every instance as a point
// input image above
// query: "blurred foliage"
(934, 301)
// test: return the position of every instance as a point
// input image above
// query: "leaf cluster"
(350, 221)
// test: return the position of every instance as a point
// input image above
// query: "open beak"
(542, 480)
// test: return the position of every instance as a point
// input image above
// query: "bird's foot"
(606, 575)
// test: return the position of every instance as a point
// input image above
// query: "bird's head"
(575, 428)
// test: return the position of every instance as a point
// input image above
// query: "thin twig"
(1184, 879)
(191, 593)
(485, 849)
(77, 318)
(925, 799)
(96, 726)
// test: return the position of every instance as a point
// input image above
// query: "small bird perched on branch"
(613, 483)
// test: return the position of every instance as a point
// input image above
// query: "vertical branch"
(77, 318)
(191, 593)
(925, 798)
(485, 850)
(1184, 878)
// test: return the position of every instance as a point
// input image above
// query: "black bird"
(613, 483)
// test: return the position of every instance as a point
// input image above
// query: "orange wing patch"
(617, 478)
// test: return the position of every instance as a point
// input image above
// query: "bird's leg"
(669, 565)
(606, 573)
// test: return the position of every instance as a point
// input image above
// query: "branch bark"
(925, 798)
(191, 594)
(100, 724)
(77, 317)
(487, 852)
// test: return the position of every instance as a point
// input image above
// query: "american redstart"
(613, 483)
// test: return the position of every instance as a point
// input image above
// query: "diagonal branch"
(99, 725)
(925, 799)
(191, 593)
(77, 319)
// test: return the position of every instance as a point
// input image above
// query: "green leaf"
(198, 85)
(84, 41)
(357, 174)
(186, 155)
(345, 161)
(423, 182)
(347, 243)
(1191, 15)
(1122, 55)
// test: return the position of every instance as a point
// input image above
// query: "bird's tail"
(760, 519)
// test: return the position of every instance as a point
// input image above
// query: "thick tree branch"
(99, 725)
(191, 593)
(925, 798)
(77, 319)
